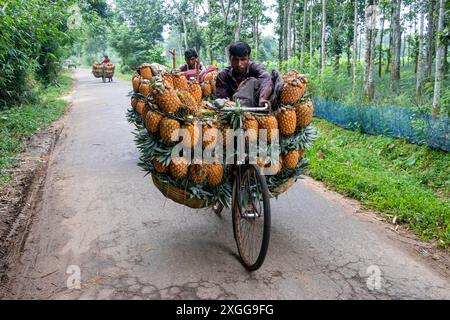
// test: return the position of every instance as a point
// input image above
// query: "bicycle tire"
(237, 217)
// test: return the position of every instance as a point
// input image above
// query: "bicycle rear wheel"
(251, 216)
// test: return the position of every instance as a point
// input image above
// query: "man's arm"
(265, 82)
(183, 67)
(223, 89)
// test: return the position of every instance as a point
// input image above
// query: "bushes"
(33, 40)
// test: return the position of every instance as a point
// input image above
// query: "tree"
(323, 37)
(370, 36)
(302, 46)
(439, 54)
(396, 43)
(239, 21)
(419, 56)
(430, 39)
(355, 45)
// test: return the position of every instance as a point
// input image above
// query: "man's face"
(239, 63)
(191, 61)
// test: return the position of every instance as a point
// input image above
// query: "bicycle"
(250, 208)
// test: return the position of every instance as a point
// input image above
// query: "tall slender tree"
(419, 57)
(323, 38)
(439, 55)
(355, 46)
(396, 43)
(302, 45)
(430, 39)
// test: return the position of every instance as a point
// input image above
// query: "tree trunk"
(355, 46)
(237, 33)
(256, 37)
(311, 30)
(371, 33)
(380, 56)
(439, 54)
(419, 56)
(183, 20)
(323, 49)
(289, 29)
(396, 44)
(302, 46)
(430, 37)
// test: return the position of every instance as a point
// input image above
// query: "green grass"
(21, 122)
(123, 76)
(389, 175)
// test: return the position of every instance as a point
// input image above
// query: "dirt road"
(102, 222)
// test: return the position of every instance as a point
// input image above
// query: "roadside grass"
(19, 123)
(390, 175)
(123, 76)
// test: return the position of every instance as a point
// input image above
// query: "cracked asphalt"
(100, 216)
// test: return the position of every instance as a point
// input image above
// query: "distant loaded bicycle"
(104, 71)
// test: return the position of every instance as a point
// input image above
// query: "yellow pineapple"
(144, 87)
(159, 167)
(290, 159)
(266, 165)
(165, 97)
(294, 87)
(195, 90)
(198, 172)
(304, 114)
(145, 71)
(206, 89)
(188, 101)
(287, 121)
(194, 133)
(167, 127)
(251, 124)
(269, 123)
(134, 101)
(178, 167)
(179, 80)
(136, 80)
(140, 105)
(210, 138)
(215, 174)
(152, 121)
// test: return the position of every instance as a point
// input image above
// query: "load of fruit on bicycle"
(171, 112)
(100, 70)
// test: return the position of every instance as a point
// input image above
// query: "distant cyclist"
(106, 60)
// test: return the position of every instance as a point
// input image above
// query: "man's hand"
(263, 103)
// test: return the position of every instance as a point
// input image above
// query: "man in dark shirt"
(191, 58)
(229, 79)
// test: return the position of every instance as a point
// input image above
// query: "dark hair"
(189, 53)
(239, 49)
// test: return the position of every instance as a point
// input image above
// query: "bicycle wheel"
(251, 216)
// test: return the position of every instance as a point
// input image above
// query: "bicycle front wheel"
(251, 216)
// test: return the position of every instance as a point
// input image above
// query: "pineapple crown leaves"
(132, 115)
(301, 139)
(138, 96)
(232, 117)
(157, 83)
(284, 175)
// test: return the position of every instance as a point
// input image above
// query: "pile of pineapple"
(164, 101)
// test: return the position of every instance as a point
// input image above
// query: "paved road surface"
(100, 214)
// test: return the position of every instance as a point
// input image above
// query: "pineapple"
(179, 81)
(293, 89)
(188, 101)
(167, 127)
(144, 112)
(136, 80)
(198, 173)
(301, 153)
(211, 76)
(140, 105)
(304, 114)
(206, 89)
(165, 97)
(290, 159)
(152, 121)
(266, 164)
(226, 135)
(268, 122)
(144, 87)
(195, 90)
(211, 139)
(134, 101)
(215, 174)
(167, 79)
(194, 133)
(159, 167)
(213, 87)
(250, 123)
(178, 167)
(287, 121)
(146, 71)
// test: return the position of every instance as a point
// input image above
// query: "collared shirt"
(227, 84)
